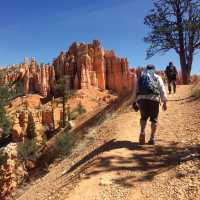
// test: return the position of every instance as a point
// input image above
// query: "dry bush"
(196, 90)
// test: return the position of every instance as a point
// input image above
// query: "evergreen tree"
(63, 88)
(4, 122)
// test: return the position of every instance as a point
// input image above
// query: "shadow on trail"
(149, 161)
(111, 145)
(186, 99)
(182, 99)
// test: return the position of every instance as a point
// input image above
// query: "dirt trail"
(120, 169)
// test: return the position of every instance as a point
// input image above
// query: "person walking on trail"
(149, 90)
(171, 74)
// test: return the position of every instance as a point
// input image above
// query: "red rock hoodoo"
(86, 65)
(35, 78)
(89, 65)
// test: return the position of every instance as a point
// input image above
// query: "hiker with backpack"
(171, 74)
(149, 91)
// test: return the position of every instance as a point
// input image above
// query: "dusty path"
(121, 169)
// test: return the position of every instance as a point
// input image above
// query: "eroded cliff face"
(31, 119)
(86, 65)
(37, 78)
(12, 170)
(33, 77)
(89, 65)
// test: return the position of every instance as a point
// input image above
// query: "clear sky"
(43, 28)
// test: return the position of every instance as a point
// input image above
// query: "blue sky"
(43, 28)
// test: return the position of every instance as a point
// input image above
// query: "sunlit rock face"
(89, 65)
(12, 170)
(33, 77)
(37, 78)
(85, 65)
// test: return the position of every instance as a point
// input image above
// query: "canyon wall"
(33, 77)
(84, 65)
(89, 65)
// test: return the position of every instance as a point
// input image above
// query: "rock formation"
(32, 123)
(35, 78)
(89, 65)
(12, 170)
(86, 65)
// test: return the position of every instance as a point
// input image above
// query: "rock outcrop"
(33, 77)
(89, 65)
(37, 78)
(32, 123)
(84, 65)
(12, 170)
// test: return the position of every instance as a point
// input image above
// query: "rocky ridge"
(84, 65)
(89, 65)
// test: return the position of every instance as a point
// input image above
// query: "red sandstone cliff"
(89, 65)
(35, 78)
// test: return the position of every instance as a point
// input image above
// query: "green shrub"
(4, 122)
(5, 95)
(30, 127)
(27, 148)
(81, 108)
(3, 158)
(64, 143)
(73, 115)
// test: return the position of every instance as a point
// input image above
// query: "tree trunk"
(52, 112)
(186, 62)
(185, 68)
(64, 112)
(186, 75)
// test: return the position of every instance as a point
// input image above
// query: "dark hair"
(149, 67)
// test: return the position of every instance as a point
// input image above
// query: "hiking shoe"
(142, 139)
(152, 141)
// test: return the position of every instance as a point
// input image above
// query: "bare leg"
(143, 126)
(174, 86)
(142, 132)
(153, 130)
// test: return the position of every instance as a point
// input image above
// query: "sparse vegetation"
(27, 148)
(64, 143)
(63, 89)
(17, 88)
(52, 111)
(79, 110)
(4, 122)
(30, 127)
(3, 158)
(73, 115)
(5, 95)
